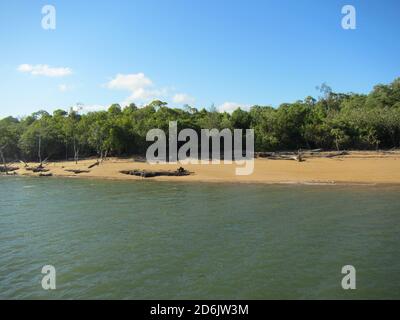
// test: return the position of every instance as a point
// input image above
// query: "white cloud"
(144, 94)
(142, 90)
(183, 98)
(63, 87)
(44, 70)
(232, 106)
(141, 87)
(132, 82)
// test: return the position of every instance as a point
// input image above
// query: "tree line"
(332, 121)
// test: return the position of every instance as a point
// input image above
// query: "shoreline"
(224, 182)
(355, 168)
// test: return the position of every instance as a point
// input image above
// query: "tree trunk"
(66, 151)
(76, 152)
(76, 156)
(40, 151)
(3, 159)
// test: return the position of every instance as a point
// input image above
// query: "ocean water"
(161, 240)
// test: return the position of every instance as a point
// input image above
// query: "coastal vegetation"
(333, 121)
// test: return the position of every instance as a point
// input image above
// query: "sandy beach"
(355, 168)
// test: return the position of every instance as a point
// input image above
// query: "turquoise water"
(149, 240)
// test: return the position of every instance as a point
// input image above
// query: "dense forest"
(332, 121)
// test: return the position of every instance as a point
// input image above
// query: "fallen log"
(40, 169)
(150, 174)
(24, 163)
(301, 155)
(287, 157)
(37, 169)
(94, 164)
(77, 171)
(280, 156)
(311, 151)
(45, 174)
(336, 154)
(8, 169)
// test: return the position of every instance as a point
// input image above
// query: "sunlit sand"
(357, 168)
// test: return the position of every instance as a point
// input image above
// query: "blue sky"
(198, 51)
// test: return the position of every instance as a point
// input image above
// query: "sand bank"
(355, 168)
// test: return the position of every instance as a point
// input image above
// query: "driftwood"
(139, 159)
(336, 154)
(150, 174)
(301, 155)
(39, 168)
(324, 154)
(77, 171)
(94, 164)
(45, 174)
(24, 163)
(8, 169)
(281, 156)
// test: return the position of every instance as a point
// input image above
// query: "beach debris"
(8, 169)
(281, 156)
(150, 174)
(301, 155)
(319, 153)
(37, 169)
(40, 170)
(94, 164)
(24, 163)
(336, 154)
(45, 161)
(139, 159)
(45, 174)
(77, 171)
